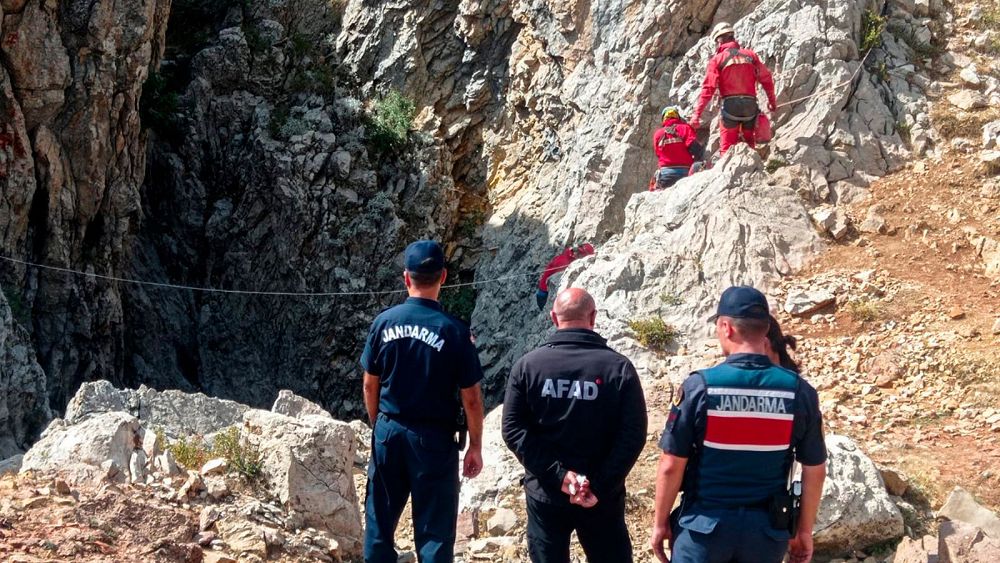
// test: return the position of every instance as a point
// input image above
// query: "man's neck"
(431, 293)
(575, 324)
(748, 348)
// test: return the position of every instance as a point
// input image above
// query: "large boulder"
(307, 465)
(176, 413)
(79, 451)
(962, 507)
(856, 511)
(290, 404)
(959, 542)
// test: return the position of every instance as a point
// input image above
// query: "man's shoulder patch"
(677, 394)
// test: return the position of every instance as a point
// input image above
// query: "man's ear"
(406, 279)
(555, 319)
(444, 275)
(593, 318)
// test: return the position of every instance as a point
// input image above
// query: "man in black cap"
(575, 416)
(418, 361)
(729, 444)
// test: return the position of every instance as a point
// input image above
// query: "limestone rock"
(970, 77)
(215, 466)
(923, 550)
(137, 466)
(290, 404)
(208, 517)
(243, 537)
(856, 510)
(895, 483)
(502, 522)
(217, 557)
(166, 464)
(885, 369)
(11, 464)
(962, 507)
(831, 221)
(501, 470)
(968, 100)
(991, 160)
(78, 451)
(991, 135)
(307, 465)
(874, 223)
(996, 327)
(24, 408)
(959, 542)
(176, 413)
(805, 302)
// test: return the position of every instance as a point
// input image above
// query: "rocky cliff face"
(533, 132)
(71, 162)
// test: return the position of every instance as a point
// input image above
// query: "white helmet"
(722, 28)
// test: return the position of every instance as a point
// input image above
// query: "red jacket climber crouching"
(735, 72)
(556, 265)
(676, 147)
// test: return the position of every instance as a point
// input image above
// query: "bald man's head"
(574, 308)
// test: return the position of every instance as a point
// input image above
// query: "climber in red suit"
(556, 265)
(734, 71)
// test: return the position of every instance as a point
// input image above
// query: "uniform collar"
(672, 121)
(727, 46)
(429, 303)
(749, 360)
(577, 336)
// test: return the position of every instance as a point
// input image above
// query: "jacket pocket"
(701, 523)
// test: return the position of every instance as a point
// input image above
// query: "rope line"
(164, 285)
(831, 88)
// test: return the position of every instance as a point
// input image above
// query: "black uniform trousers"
(601, 530)
(421, 461)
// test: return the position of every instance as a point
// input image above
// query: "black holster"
(785, 507)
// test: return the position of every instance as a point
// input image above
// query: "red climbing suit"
(561, 262)
(735, 71)
(671, 143)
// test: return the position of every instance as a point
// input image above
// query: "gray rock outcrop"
(856, 511)
(175, 413)
(307, 465)
(24, 408)
(72, 162)
(962, 507)
(79, 450)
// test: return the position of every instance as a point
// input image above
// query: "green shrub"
(865, 310)
(991, 17)
(242, 456)
(191, 452)
(872, 25)
(279, 117)
(389, 127)
(654, 333)
(774, 164)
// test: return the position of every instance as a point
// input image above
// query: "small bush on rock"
(865, 310)
(872, 25)
(191, 452)
(242, 456)
(654, 333)
(390, 124)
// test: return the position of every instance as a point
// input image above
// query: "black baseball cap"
(424, 257)
(742, 302)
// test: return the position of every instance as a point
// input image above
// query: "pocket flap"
(701, 523)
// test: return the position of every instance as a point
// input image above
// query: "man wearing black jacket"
(574, 414)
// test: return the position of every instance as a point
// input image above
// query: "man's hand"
(800, 548)
(579, 493)
(771, 106)
(661, 534)
(695, 122)
(473, 462)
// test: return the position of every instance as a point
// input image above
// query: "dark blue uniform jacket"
(574, 405)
